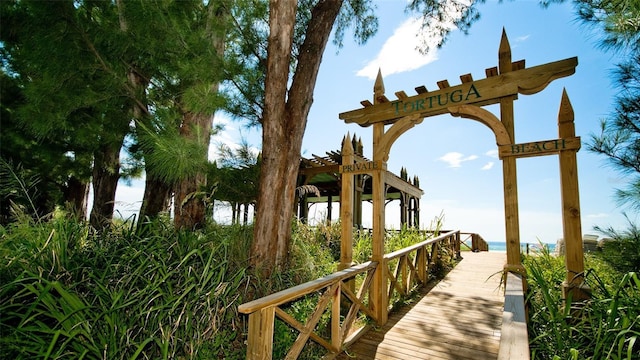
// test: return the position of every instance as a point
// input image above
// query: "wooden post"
(346, 207)
(509, 171)
(378, 294)
(573, 287)
(260, 337)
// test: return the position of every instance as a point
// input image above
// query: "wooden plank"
(539, 148)
(362, 167)
(515, 339)
(460, 317)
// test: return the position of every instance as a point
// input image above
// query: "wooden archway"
(501, 86)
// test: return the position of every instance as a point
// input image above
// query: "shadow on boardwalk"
(457, 318)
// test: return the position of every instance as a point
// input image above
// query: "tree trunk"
(75, 195)
(155, 200)
(284, 122)
(106, 173)
(189, 210)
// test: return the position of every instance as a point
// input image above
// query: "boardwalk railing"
(413, 265)
(477, 242)
(336, 296)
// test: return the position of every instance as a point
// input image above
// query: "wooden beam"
(403, 186)
(539, 148)
(443, 84)
(509, 170)
(421, 89)
(401, 95)
(481, 92)
(466, 78)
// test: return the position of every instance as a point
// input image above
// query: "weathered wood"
(480, 93)
(298, 291)
(571, 224)
(405, 187)
(509, 171)
(260, 339)
(262, 312)
(486, 118)
(466, 78)
(307, 330)
(362, 167)
(514, 342)
(346, 207)
(454, 320)
(378, 295)
(539, 148)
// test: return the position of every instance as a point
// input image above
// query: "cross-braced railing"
(477, 242)
(415, 265)
(337, 297)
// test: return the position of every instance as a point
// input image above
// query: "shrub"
(623, 252)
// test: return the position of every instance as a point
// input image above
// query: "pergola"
(323, 172)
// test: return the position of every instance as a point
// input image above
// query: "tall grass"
(605, 327)
(67, 292)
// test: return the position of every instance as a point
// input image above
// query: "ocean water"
(498, 246)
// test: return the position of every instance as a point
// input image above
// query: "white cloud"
(455, 159)
(492, 153)
(487, 166)
(400, 52)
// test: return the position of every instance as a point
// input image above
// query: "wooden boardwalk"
(458, 318)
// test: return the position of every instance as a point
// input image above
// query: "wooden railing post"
(260, 337)
(422, 264)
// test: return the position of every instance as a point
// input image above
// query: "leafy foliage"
(68, 292)
(623, 251)
(605, 327)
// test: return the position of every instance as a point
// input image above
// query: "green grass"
(605, 327)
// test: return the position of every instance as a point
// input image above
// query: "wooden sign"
(539, 148)
(362, 167)
(480, 93)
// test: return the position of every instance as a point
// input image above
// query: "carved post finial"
(347, 146)
(378, 87)
(566, 125)
(504, 54)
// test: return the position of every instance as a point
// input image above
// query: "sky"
(454, 158)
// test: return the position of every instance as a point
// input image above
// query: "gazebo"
(323, 173)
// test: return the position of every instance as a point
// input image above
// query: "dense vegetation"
(605, 327)
(69, 292)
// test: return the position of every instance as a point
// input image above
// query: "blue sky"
(456, 159)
